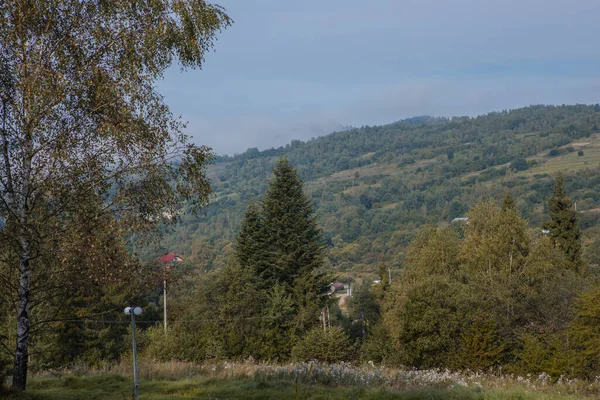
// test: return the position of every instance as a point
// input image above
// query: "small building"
(170, 258)
(336, 287)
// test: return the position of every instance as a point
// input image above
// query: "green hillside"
(374, 186)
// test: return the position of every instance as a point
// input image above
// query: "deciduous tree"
(82, 119)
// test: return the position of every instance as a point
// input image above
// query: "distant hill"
(374, 186)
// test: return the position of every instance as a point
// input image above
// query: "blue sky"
(300, 69)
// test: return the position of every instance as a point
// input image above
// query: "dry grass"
(351, 376)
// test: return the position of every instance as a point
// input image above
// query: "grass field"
(569, 161)
(114, 386)
(252, 380)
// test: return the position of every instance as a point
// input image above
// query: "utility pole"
(165, 299)
(133, 312)
(167, 260)
(324, 323)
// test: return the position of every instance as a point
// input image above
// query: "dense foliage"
(490, 293)
(487, 300)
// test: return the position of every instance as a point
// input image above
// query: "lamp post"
(134, 312)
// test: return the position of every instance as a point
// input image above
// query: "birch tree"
(85, 137)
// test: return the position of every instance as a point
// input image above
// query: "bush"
(331, 346)
(580, 153)
(180, 344)
(544, 353)
(520, 164)
(481, 345)
(378, 346)
(555, 152)
(583, 335)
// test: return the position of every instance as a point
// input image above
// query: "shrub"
(331, 346)
(554, 153)
(580, 153)
(583, 335)
(520, 164)
(180, 344)
(481, 345)
(544, 353)
(378, 346)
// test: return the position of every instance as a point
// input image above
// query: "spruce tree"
(563, 227)
(251, 249)
(294, 239)
(294, 243)
(281, 244)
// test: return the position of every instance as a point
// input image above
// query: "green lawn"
(115, 386)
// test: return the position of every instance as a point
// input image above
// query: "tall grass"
(348, 375)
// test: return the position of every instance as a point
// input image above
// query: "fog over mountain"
(289, 70)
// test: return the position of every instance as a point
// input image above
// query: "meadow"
(310, 380)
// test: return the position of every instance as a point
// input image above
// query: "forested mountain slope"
(374, 186)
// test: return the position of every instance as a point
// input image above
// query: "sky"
(301, 69)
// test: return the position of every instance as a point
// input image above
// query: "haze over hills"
(374, 186)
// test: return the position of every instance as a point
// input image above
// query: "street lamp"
(134, 312)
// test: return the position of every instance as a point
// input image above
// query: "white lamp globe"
(127, 311)
(137, 310)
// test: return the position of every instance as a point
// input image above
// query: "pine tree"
(564, 231)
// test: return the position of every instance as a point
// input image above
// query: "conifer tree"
(295, 241)
(564, 231)
(281, 244)
(251, 250)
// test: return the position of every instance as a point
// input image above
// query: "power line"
(101, 321)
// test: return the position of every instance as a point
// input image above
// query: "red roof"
(171, 257)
